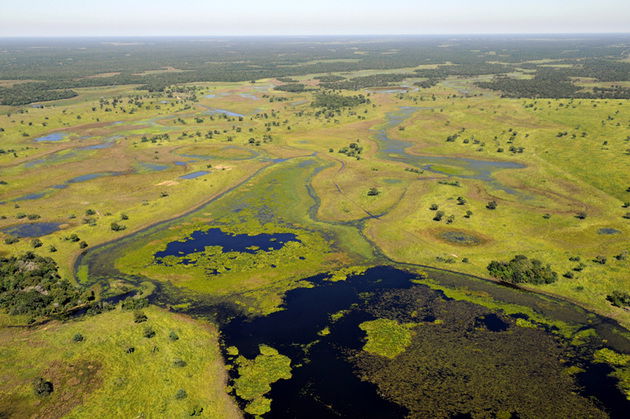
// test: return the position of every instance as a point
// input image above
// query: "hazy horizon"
(198, 18)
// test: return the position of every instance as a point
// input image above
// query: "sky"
(303, 17)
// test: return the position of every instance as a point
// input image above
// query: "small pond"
(460, 237)
(246, 243)
(608, 230)
(32, 229)
(55, 136)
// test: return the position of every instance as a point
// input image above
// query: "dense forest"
(53, 68)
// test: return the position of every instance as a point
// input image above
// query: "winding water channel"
(464, 357)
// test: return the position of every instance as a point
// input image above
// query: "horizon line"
(309, 35)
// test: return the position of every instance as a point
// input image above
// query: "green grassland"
(283, 167)
(552, 183)
(101, 376)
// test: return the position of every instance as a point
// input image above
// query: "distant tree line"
(291, 87)
(374, 80)
(64, 65)
(555, 84)
(332, 101)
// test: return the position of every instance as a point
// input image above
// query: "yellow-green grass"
(564, 175)
(256, 376)
(97, 377)
(386, 337)
(259, 279)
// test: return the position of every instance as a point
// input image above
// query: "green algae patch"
(386, 337)
(324, 332)
(525, 323)
(485, 300)
(621, 365)
(611, 357)
(343, 273)
(256, 376)
(338, 315)
(583, 336)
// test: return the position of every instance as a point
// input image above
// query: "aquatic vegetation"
(460, 237)
(256, 375)
(386, 337)
(621, 365)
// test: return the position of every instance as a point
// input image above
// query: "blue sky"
(300, 17)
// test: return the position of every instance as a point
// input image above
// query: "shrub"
(149, 332)
(78, 338)
(491, 205)
(134, 304)
(42, 387)
(139, 317)
(11, 240)
(181, 394)
(117, 227)
(619, 299)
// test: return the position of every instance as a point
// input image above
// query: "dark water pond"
(392, 149)
(199, 240)
(608, 231)
(32, 229)
(461, 365)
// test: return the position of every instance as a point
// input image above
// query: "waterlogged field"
(340, 250)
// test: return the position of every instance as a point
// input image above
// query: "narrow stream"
(465, 168)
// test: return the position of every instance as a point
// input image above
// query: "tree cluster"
(30, 284)
(521, 269)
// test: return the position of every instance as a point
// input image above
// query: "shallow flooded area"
(457, 167)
